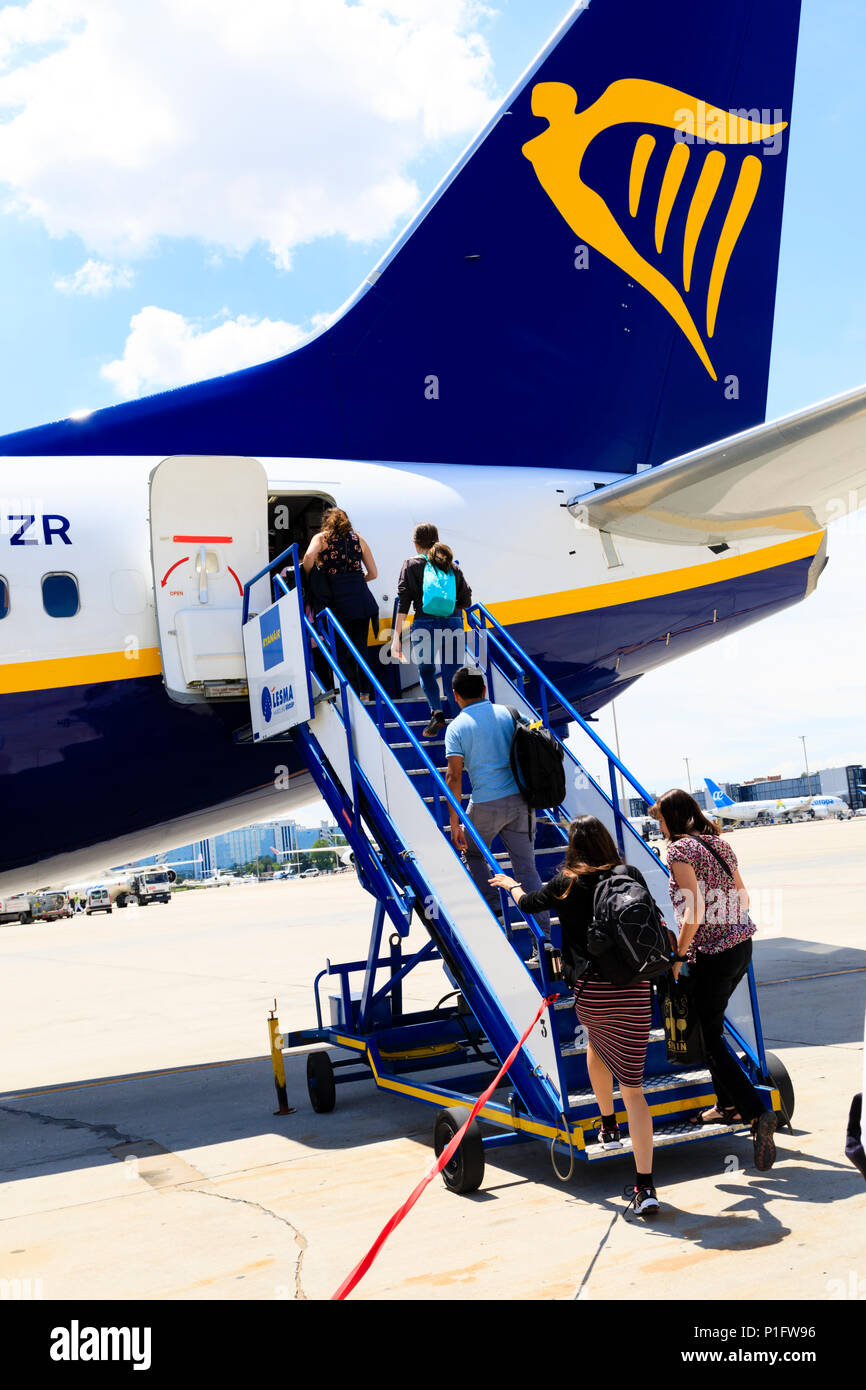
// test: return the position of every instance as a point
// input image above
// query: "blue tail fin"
(717, 796)
(592, 286)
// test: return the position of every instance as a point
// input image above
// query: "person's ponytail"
(442, 556)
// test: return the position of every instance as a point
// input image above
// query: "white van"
(98, 900)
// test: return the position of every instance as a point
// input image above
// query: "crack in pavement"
(300, 1240)
(69, 1122)
(159, 1167)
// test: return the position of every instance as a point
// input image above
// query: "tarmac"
(141, 1158)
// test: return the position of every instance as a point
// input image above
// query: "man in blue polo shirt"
(479, 741)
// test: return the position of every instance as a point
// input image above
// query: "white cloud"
(275, 121)
(164, 349)
(95, 277)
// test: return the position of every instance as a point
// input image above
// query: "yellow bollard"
(275, 1041)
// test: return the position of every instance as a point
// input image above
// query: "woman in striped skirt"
(616, 1018)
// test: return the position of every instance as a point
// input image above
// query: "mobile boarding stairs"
(387, 793)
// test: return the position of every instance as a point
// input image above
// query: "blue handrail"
(499, 634)
(440, 786)
(292, 551)
(500, 637)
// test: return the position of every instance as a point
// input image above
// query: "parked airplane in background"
(218, 879)
(782, 809)
(563, 362)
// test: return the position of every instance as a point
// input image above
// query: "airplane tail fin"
(592, 286)
(719, 798)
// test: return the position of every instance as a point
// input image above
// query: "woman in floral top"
(711, 906)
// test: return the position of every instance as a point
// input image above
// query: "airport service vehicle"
(646, 827)
(97, 900)
(385, 788)
(15, 909)
(309, 873)
(142, 886)
(563, 361)
(49, 905)
(781, 810)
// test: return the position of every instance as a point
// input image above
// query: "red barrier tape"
(444, 1158)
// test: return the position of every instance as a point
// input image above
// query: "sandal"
(719, 1115)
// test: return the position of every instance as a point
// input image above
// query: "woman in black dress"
(616, 1017)
(344, 568)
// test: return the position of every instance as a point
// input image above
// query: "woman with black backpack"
(616, 1017)
(711, 905)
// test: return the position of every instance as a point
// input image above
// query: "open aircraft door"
(208, 529)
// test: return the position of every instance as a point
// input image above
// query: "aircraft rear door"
(209, 534)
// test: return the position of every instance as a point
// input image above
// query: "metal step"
(427, 743)
(653, 1085)
(503, 857)
(675, 1132)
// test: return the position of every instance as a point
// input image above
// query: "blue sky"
(53, 344)
(164, 210)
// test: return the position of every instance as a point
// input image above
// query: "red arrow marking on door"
(235, 578)
(174, 567)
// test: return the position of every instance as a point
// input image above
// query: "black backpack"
(626, 940)
(537, 759)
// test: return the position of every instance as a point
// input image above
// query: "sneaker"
(763, 1129)
(642, 1200)
(436, 725)
(608, 1138)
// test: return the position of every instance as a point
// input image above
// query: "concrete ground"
(140, 1158)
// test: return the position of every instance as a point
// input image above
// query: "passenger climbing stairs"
(384, 784)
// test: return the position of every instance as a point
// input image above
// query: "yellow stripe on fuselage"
(115, 666)
(617, 591)
(79, 670)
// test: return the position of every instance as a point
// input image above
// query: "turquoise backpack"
(439, 593)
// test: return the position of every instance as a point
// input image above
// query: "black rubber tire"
(778, 1074)
(465, 1172)
(321, 1086)
(122, 900)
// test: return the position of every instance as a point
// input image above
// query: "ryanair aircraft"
(562, 362)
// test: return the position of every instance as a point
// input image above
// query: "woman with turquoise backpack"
(436, 588)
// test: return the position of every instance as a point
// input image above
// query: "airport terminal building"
(848, 782)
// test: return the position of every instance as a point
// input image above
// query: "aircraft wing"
(783, 479)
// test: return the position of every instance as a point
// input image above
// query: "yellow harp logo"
(557, 153)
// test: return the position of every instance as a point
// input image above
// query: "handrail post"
(617, 813)
(545, 713)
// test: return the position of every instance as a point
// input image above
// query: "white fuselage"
(523, 554)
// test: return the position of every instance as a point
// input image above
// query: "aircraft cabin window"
(4, 597)
(60, 595)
